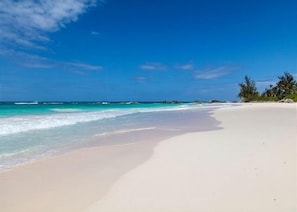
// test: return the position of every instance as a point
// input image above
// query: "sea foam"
(12, 125)
(65, 117)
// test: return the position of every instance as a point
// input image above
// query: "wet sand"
(75, 180)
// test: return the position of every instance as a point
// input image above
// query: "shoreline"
(51, 142)
(91, 178)
(91, 169)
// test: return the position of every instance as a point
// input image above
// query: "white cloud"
(28, 60)
(37, 62)
(185, 67)
(37, 65)
(94, 33)
(212, 73)
(27, 22)
(84, 66)
(153, 67)
(265, 83)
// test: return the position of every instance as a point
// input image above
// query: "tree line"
(285, 88)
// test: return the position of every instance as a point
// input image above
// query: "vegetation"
(248, 91)
(292, 96)
(285, 88)
(215, 101)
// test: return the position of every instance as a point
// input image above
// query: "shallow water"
(32, 131)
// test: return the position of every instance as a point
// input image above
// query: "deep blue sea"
(33, 130)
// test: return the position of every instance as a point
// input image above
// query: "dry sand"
(247, 165)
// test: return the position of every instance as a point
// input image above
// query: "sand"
(247, 164)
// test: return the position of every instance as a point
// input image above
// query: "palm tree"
(272, 91)
(286, 85)
(248, 91)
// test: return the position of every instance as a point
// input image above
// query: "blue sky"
(142, 50)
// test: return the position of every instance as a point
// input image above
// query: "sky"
(143, 50)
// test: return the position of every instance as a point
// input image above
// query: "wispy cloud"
(26, 23)
(94, 33)
(265, 83)
(262, 85)
(27, 60)
(153, 67)
(212, 73)
(84, 66)
(140, 78)
(33, 61)
(37, 65)
(185, 67)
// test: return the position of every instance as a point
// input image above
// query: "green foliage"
(292, 96)
(248, 91)
(285, 88)
(266, 98)
(271, 93)
(286, 85)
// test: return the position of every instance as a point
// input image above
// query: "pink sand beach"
(247, 163)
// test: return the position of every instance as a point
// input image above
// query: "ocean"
(33, 130)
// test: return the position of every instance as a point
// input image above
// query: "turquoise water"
(38, 108)
(23, 117)
(29, 131)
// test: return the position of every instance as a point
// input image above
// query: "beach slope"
(247, 165)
